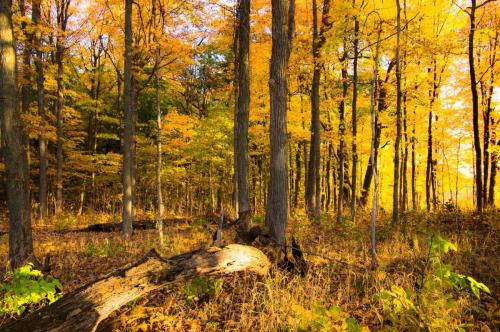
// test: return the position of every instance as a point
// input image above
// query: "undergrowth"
(435, 273)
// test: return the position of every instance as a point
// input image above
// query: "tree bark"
(84, 308)
(395, 200)
(62, 20)
(15, 147)
(313, 185)
(340, 199)
(282, 35)
(475, 109)
(159, 197)
(128, 130)
(373, 151)
(42, 143)
(243, 108)
(354, 119)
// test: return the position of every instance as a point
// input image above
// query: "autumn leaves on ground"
(283, 165)
(337, 288)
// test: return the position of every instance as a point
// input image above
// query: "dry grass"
(283, 302)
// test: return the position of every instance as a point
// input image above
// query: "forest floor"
(338, 293)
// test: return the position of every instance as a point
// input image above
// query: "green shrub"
(201, 289)
(28, 289)
(320, 318)
(434, 304)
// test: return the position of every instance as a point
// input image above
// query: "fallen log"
(84, 308)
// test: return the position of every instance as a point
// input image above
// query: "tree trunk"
(42, 143)
(84, 308)
(243, 108)
(62, 20)
(475, 109)
(373, 151)
(413, 165)
(493, 174)
(395, 201)
(340, 199)
(354, 119)
(277, 203)
(14, 150)
(298, 175)
(159, 198)
(128, 131)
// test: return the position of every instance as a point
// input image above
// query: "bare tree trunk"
(373, 149)
(128, 132)
(313, 206)
(395, 201)
(15, 145)
(243, 108)
(340, 199)
(298, 175)
(62, 20)
(354, 119)
(475, 108)
(159, 198)
(413, 166)
(277, 203)
(84, 308)
(42, 144)
(493, 174)
(488, 121)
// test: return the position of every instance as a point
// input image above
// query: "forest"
(249, 165)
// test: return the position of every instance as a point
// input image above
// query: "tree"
(395, 191)
(62, 7)
(373, 151)
(354, 116)
(243, 107)
(15, 147)
(313, 189)
(475, 103)
(283, 12)
(159, 197)
(128, 126)
(42, 143)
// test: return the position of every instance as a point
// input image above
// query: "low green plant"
(433, 305)
(64, 223)
(320, 318)
(201, 289)
(28, 289)
(105, 249)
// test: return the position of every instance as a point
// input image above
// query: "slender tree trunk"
(313, 205)
(373, 150)
(243, 108)
(42, 144)
(428, 169)
(277, 203)
(128, 132)
(159, 197)
(489, 135)
(62, 20)
(15, 147)
(395, 202)
(413, 166)
(340, 198)
(354, 119)
(475, 109)
(236, 93)
(493, 174)
(298, 175)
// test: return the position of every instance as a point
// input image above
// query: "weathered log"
(84, 308)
